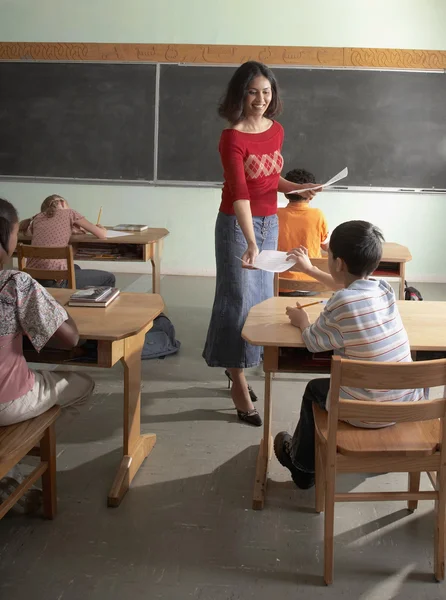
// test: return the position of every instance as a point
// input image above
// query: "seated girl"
(53, 227)
(27, 309)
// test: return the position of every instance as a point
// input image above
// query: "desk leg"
(402, 280)
(265, 450)
(136, 446)
(156, 267)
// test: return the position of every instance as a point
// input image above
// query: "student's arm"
(77, 230)
(323, 335)
(325, 244)
(66, 337)
(303, 265)
(23, 225)
(325, 233)
(298, 317)
(41, 318)
(285, 187)
(97, 230)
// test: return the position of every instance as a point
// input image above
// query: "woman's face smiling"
(258, 97)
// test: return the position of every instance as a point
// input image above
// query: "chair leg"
(329, 524)
(48, 455)
(414, 486)
(320, 477)
(440, 529)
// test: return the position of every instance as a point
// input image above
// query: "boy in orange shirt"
(301, 225)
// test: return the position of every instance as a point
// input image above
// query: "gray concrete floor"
(186, 528)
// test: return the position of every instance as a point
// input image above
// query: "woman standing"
(247, 222)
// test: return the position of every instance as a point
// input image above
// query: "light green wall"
(416, 221)
(362, 23)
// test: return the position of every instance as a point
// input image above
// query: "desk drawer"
(86, 355)
(386, 269)
(300, 360)
(109, 251)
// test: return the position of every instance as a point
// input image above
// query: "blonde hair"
(50, 204)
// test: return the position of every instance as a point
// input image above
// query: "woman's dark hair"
(359, 244)
(8, 218)
(231, 107)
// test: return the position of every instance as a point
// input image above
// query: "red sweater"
(252, 164)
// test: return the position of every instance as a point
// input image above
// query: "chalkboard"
(389, 128)
(88, 121)
(97, 121)
(189, 126)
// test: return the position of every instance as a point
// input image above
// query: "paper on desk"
(272, 261)
(341, 175)
(113, 234)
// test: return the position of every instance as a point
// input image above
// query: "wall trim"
(377, 58)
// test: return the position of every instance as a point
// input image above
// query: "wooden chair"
(416, 443)
(25, 251)
(312, 285)
(16, 441)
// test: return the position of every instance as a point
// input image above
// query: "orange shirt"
(301, 225)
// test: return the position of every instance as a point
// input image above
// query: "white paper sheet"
(273, 261)
(114, 234)
(341, 175)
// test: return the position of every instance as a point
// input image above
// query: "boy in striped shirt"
(361, 321)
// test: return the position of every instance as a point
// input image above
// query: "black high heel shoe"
(252, 417)
(252, 394)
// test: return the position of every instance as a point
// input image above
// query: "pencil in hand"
(309, 304)
(99, 216)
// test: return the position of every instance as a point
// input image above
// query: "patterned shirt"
(252, 164)
(26, 308)
(362, 322)
(52, 232)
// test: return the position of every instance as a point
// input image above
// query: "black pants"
(84, 277)
(302, 447)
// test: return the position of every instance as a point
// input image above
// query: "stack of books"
(130, 227)
(100, 297)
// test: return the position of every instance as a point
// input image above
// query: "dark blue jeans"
(237, 291)
(302, 447)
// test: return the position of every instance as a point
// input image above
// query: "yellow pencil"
(310, 304)
(99, 216)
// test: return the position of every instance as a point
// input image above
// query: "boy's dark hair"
(359, 244)
(298, 176)
(231, 106)
(8, 218)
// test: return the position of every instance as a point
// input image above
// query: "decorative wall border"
(382, 58)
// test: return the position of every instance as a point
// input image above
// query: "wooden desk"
(119, 330)
(134, 247)
(393, 264)
(267, 325)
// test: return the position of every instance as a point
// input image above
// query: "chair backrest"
(310, 285)
(382, 376)
(25, 251)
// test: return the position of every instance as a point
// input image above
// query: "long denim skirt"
(237, 291)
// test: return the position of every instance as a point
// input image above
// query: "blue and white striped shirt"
(362, 322)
